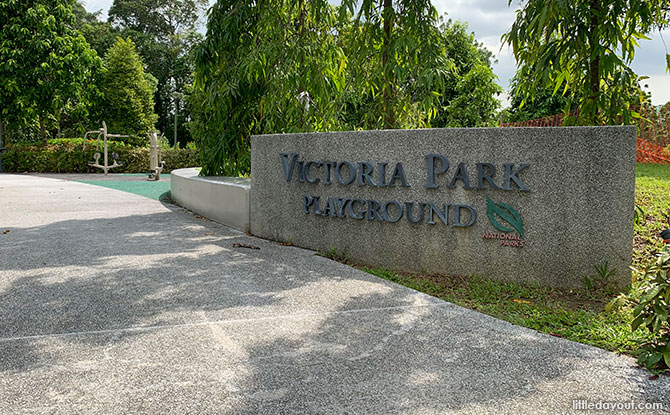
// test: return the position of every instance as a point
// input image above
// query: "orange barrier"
(551, 121)
(648, 152)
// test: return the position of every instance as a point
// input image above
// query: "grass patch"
(577, 315)
(652, 194)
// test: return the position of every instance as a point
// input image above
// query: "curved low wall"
(222, 199)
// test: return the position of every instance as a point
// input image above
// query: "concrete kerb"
(222, 199)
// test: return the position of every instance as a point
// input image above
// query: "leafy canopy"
(99, 34)
(583, 49)
(158, 18)
(542, 103)
(46, 65)
(398, 67)
(264, 68)
(469, 95)
(304, 65)
(165, 32)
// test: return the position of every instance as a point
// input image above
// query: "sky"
(489, 19)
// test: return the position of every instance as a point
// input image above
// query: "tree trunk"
(389, 84)
(594, 64)
(43, 131)
(301, 35)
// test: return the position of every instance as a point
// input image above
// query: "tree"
(83, 16)
(45, 64)
(583, 49)
(165, 32)
(396, 60)
(469, 95)
(159, 18)
(542, 103)
(297, 66)
(265, 67)
(100, 35)
(127, 104)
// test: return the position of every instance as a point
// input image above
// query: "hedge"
(68, 156)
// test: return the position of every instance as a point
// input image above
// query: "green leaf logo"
(506, 213)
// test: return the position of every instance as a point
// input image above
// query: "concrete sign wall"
(521, 204)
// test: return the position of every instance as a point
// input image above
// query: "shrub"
(68, 156)
(652, 312)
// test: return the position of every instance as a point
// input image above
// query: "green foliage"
(68, 156)
(100, 35)
(468, 98)
(26, 130)
(299, 66)
(165, 32)
(397, 65)
(582, 49)
(46, 66)
(639, 215)
(652, 311)
(158, 18)
(335, 255)
(266, 67)
(127, 92)
(542, 103)
(602, 280)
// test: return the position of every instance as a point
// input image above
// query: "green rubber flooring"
(151, 189)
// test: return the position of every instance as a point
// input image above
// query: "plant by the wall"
(652, 311)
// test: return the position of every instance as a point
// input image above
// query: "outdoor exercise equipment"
(105, 135)
(156, 165)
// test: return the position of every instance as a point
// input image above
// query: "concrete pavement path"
(114, 303)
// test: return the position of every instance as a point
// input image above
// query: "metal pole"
(104, 132)
(176, 108)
